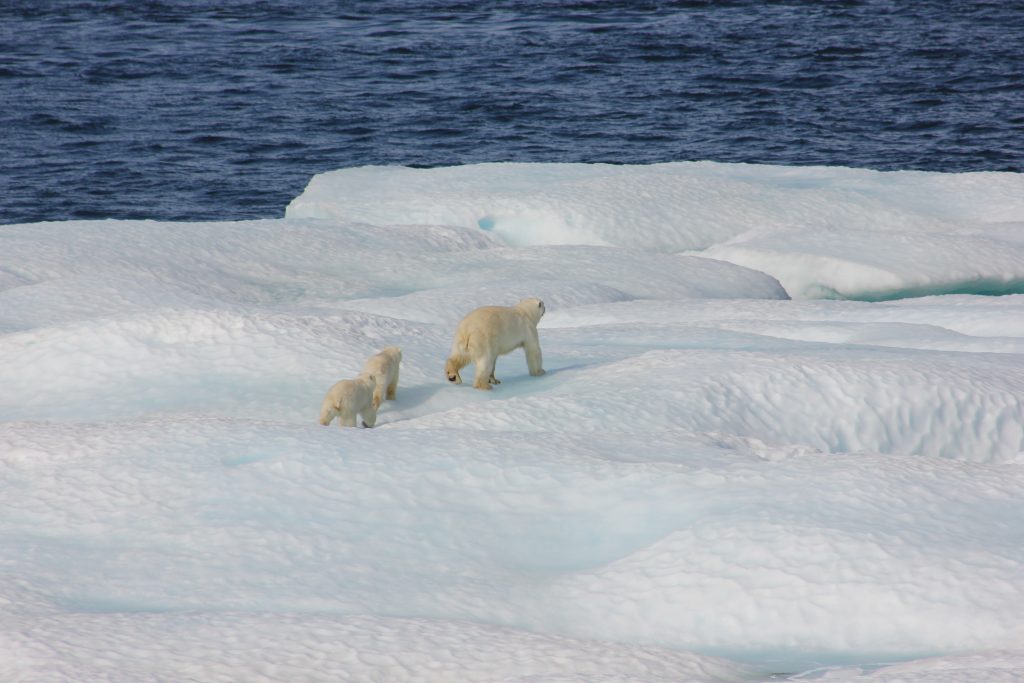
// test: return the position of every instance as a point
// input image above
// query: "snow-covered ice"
(781, 433)
(823, 232)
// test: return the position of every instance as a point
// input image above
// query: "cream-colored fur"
(492, 331)
(348, 398)
(383, 367)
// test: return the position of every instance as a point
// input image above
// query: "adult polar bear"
(491, 331)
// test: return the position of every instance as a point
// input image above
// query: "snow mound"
(712, 481)
(275, 647)
(879, 264)
(953, 407)
(992, 667)
(823, 232)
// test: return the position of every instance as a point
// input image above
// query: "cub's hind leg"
(393, 387)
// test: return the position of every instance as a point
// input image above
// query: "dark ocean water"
(201, 109)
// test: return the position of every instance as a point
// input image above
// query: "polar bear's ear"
(540, 305)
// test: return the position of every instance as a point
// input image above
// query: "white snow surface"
(712, 482)
(823, 232)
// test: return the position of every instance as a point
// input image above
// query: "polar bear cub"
(348, 398)
(383, 367)
(491, 331)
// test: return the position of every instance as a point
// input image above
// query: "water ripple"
(212, 110)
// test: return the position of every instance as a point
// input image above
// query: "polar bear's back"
(502, 328)
(384, 364)
(355, 391)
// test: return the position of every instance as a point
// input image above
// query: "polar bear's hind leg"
(484, 371)
(452, 366)
(378, 393)
(327, 413)
(393, 387)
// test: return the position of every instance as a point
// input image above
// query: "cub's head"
(533, 308)
(393, 352)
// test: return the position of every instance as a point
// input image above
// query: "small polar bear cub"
(383, 367)
(491, 331)
(348, 398)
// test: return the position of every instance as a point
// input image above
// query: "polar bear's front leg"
(346, 417)
(534, 360)
(369, 416)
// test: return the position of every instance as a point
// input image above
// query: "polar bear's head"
(533, 308)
